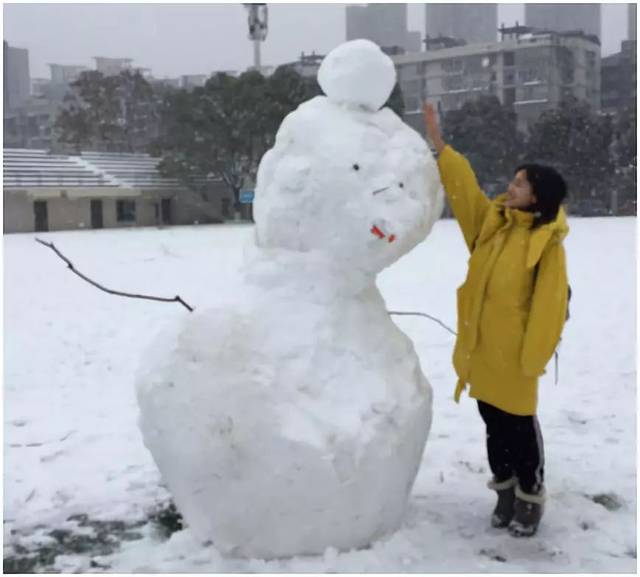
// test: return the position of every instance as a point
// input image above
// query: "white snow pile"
(292, 416)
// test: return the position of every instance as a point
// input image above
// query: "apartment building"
(528, 69)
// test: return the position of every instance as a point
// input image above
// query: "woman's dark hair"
(549, 188)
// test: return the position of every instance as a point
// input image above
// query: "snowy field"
(72, 446)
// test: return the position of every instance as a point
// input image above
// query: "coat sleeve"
(548, 310)
(468, 203)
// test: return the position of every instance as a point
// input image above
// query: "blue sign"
(246, 196)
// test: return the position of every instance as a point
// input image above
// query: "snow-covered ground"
(72, 446)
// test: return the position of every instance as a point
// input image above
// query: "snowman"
(292, 416)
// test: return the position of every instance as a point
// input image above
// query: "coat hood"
(555, 230)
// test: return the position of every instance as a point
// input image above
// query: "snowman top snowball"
(357, 73)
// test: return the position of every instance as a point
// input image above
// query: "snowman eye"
(356, 167)
(401, 185)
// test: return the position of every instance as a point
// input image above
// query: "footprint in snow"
(493, 555)
(609, 501)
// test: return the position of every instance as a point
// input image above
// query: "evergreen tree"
(486, 132)
(223, 128)
(110, 113)
(577, 142)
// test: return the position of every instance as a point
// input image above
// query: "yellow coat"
(513, 304)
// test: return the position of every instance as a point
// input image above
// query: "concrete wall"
(71, 209)
(73, 213)
(18, 212)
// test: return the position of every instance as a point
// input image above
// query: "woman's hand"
(433, 130)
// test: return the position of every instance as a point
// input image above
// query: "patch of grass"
(168, 520)
(105, 539)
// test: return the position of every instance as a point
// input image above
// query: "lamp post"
(257, 29)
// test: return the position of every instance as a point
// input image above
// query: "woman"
(511, 311)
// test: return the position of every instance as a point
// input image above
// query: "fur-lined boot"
(504, 511)
(527, 512)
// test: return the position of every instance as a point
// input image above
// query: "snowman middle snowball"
(293, 416)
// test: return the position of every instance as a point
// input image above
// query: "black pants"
(514, 446)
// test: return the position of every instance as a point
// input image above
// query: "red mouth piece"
(377, 232)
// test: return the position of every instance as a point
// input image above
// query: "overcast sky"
(176, 39)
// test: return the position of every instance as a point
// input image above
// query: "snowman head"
(345, 178)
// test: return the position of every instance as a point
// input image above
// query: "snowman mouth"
(377, 231)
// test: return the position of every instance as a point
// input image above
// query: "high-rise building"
(307, 65)
(470, 22)
(632, 16)
(65, 73)
(112, 66)
(17, 82)
(384, 24)
(193, 80)
(62, 75)
(619, 73)
(529, 71)
(414, 41)
(5, 74)
(40, 87)
(564, 17)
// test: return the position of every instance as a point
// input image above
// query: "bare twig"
(41, 443)
(423, 315)
(66, 436)
(118, 293)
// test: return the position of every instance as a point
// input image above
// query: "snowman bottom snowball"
(251, 475)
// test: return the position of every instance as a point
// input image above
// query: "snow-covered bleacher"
(25, 168)
(128, 170)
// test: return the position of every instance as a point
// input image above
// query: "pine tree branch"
(118, 293)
